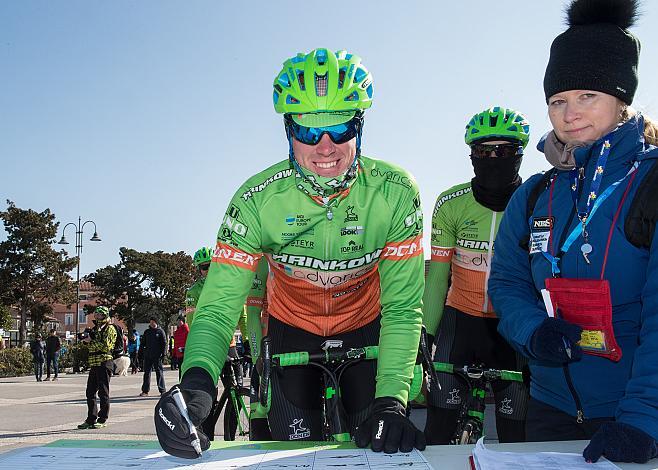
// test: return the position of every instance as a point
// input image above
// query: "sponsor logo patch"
(380, 429)
(404, 249)
(542, 223)
(299, 220)
(302, 243)
(450, 196)
(351, 247)
(326, 265)
(473, 244)
(350, 216)
(232, 224)
(298, 430)
(259, 187)
(505, 407)
(392, 177)
(353, 230)
(454, 398)
(169, 424)
(230, 255)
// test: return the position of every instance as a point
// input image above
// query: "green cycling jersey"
(336, 264)
(192, 298)
(463, 233)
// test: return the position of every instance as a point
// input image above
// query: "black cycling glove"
(171, 427)
(620, 442)
(555, 341)
(388, 428)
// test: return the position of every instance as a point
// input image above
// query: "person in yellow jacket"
(100, 342)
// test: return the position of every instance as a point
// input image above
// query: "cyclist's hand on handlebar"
(555, 341)
(621, 442)
(170, 425)
(388, 428)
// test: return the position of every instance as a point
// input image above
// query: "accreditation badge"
(540, 233)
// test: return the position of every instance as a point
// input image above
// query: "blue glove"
(555, 341)
(388, 428)
(620, 442)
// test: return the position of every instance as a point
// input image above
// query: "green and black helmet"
(203, 255)
(102, 310)
(498, 122)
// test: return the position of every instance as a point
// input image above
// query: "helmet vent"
(341, 77)
(321, 85)
(359, 75)
(300, 79)
(284, 80)
(493, 121)
(321, 56)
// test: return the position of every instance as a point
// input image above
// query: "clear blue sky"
(146, 116)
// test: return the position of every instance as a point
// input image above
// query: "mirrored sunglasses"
(339, 134)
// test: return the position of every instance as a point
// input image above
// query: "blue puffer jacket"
(628, 389)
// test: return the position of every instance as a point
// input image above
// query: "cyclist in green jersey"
(464, 225)
(202, 258)
(342, 234)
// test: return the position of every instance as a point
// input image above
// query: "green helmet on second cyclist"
(498, 123)
(496, 132)
(323, 93)
(202, 259)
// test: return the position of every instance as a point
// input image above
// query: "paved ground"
(34, 413)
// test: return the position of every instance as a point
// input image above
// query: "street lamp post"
(78, 251)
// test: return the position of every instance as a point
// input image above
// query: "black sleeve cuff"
(198, 378)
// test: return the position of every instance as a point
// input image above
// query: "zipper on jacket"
(580, 416)
(327, 237)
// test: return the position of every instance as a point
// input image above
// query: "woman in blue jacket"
(572, 292)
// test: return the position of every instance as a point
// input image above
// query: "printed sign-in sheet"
(252, 456)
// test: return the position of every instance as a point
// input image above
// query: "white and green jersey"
(463, 234)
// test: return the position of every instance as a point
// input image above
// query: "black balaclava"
(495, 180)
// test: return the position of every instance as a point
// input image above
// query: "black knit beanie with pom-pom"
(597, 52)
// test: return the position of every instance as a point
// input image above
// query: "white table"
(441, 457)
(456, 457)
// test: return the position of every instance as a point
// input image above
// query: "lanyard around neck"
(577, 178)
(555, 260)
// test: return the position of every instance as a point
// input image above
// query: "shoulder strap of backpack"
(640, 222)
(541, 185)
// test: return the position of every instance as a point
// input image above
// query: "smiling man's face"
(325, 158)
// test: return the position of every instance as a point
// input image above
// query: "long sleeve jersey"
(463, 233)
(333, 267)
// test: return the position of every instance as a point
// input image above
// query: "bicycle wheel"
(236, 414)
